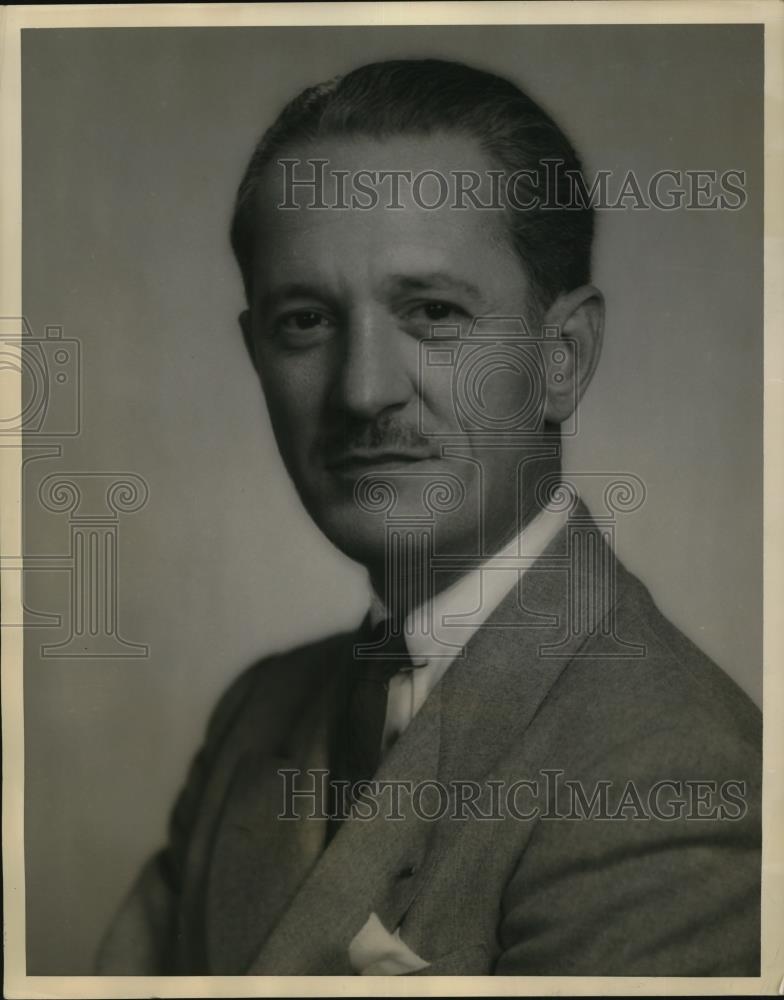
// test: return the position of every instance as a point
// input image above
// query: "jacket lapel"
(258, 860)
(493, 690)
(372, 864)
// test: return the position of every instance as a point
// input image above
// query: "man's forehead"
(408, 170)
(394, 253)
(338, 205)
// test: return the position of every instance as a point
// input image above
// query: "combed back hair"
(428, 96)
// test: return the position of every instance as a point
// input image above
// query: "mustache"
(385, 432)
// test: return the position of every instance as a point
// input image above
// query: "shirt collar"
(439, 628)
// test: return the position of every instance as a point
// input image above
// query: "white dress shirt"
(433, 635)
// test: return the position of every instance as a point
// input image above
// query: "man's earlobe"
(246, 325)
(571, 357)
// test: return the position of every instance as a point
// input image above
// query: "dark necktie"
(379, 655)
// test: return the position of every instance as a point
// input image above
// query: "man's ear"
(246, 325)
(571, 357)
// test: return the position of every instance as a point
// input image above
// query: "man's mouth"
(365, 459)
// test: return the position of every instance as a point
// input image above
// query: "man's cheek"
(437, 412)
(282, 396)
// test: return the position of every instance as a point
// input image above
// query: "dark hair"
(429, 95)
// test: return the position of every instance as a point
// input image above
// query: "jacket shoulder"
(664, 686)
(276, 686)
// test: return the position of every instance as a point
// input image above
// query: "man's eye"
(436, 311)
(303, 327)
(303, 320)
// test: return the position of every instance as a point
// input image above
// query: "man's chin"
(373, 537)
(361, 512)
(364, 535)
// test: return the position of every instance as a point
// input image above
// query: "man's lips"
(367, 458)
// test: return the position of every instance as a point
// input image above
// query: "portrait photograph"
(391, 441)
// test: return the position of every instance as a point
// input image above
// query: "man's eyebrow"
(291, 290)
(426, 282)
(435, 281)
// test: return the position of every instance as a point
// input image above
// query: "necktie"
(381, 653)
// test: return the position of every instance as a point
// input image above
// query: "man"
(517, 765)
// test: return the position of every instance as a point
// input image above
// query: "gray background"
(134, 141)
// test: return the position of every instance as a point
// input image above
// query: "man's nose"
(372, 375)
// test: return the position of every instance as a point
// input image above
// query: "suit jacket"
(576, 675)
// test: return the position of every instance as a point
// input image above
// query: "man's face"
(344, 304)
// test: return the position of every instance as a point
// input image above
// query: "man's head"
(343, 299)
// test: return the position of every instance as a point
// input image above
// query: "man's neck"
(412, 580)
